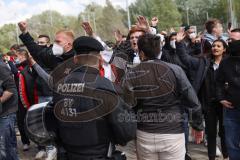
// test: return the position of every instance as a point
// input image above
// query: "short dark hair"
(23, 52)
(15, 47)
(187, 27)
(236, 30)
(150, 45)
(210, 24)
(172, 34)
(10, 53)
(44, 36)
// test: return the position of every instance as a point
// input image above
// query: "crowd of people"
(141, 95)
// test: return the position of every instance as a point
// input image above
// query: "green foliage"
(111, 20)
(8, 36)
(165, 10)
(199, 11)
(49, 22)
(167, 13)
(106, 19)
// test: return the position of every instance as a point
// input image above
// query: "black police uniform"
(87, 110)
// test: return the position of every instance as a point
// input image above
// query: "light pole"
(15, 14)
(128, 13)
(94, 22)
(90, 14)
(187, 16)
(17, 34)
(231, 14)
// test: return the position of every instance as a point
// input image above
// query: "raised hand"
(143, 23)
(154, 21)
(30, 59)
(88, 29)
(23, 26)
(180, 35)
(118, 36)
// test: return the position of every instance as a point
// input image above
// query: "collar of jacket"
(68, 54)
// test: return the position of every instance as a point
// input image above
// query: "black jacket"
(7, 84)
(156, 89)
(207, 93)
(87, 137)
(197, 66)
(124, 51)
(44, 56)
(228, 80)
(30, 77)
(192, 48)
(169, 55)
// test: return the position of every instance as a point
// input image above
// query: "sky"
(13, 11)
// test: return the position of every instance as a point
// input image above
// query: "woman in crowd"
(205, 68)
(212, 108)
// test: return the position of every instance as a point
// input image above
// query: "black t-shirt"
(7, 84)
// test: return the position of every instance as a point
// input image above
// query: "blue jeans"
(232, 132)
(8, 141)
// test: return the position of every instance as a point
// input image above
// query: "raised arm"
(40, 71)
(188, 60)
(43, 56)
(28, 41)
(108, 52)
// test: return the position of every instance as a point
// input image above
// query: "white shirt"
(215, 66)
(136, 59)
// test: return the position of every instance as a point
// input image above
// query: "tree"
(199, 11)
(49, 22)
(92, 14)
(8, 36)
(165, 10)
(110, 20)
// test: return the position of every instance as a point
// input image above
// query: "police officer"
(88, 109)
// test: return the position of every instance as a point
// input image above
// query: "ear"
(224, 51)
(141, 55)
